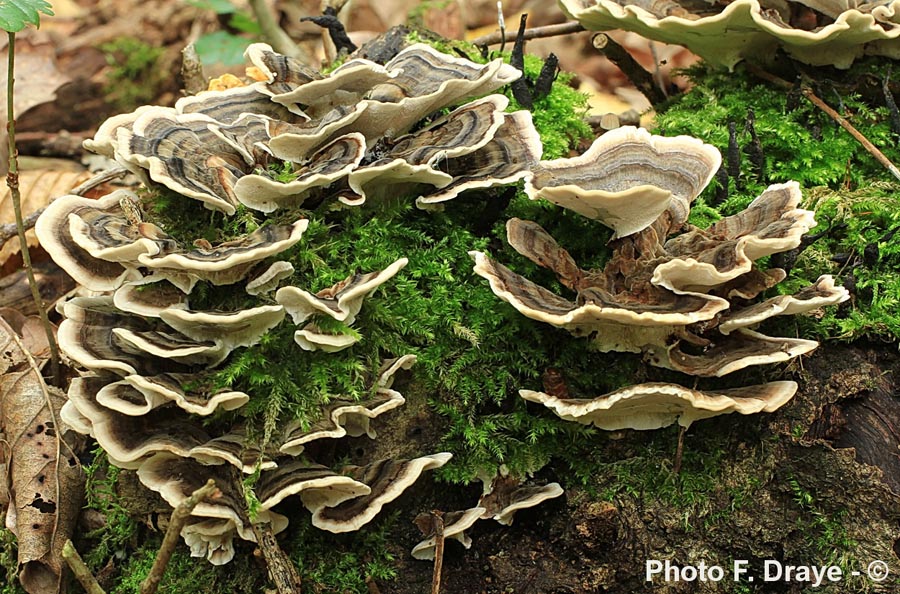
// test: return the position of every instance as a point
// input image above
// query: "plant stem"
(170, 540)
(12, 180)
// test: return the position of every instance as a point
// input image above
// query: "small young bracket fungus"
(268, 280)
(746, 30)
(506, 495)
(388, 479)
(341, 301)
(455, 525)
(341, 417)
(656, 405)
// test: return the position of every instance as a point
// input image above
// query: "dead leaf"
(37, 188)
(46, 482)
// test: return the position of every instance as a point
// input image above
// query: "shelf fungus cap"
(428, 80)
(313, 481)
(596, 309)
(137, 395)
(344, 417)
(147, 297)
(110, 230)
(181, 152)
(509, 156)
(268, 280)
(414, 159)
(313, 338)
(455, 525)
(627, 178)
(329, 164)
(508, 495)
(129, 440)
(739, 349)
(744, 29)
(704, 259)
(230, 329)
(341, 301)
(295, 142)
(228, 262)
(388, 479)
(656, 405)
(821, 293)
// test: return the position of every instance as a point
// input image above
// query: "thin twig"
(80, 569)
(639, 77)
(438, 551)
(280, 41)
(679, 450)
(815, 100)
(534, 33)
(173, 532)
(12, 180)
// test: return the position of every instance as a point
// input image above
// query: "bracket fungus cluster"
(294, 138)
(818, 32)
(424, 125)
(685, 301)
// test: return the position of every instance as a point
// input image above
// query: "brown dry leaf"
(37, 189)
(45, 479)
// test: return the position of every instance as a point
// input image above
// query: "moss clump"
(133, 78)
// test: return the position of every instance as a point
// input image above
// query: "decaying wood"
(192, 71)
(173, 534)
(283, 573)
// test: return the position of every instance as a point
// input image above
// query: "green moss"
(133, 78)
(338, 563)
(119, 530)
(9, 563)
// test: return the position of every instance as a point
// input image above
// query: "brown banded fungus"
(725, 33)
(681, 301)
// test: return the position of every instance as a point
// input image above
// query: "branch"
(438, 551)
(639, 77)
(535, 33)
(280, 41)
(80, 570)
(173, 532)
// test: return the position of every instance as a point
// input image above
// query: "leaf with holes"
(15, 15)
(46, 480)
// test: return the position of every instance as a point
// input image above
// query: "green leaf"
(221, 47)
(217, 6)
(15, 15)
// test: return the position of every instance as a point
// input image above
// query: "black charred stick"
(891, 104)
(734, 155)
(336, 30)
(544, 82)
(519, 87)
